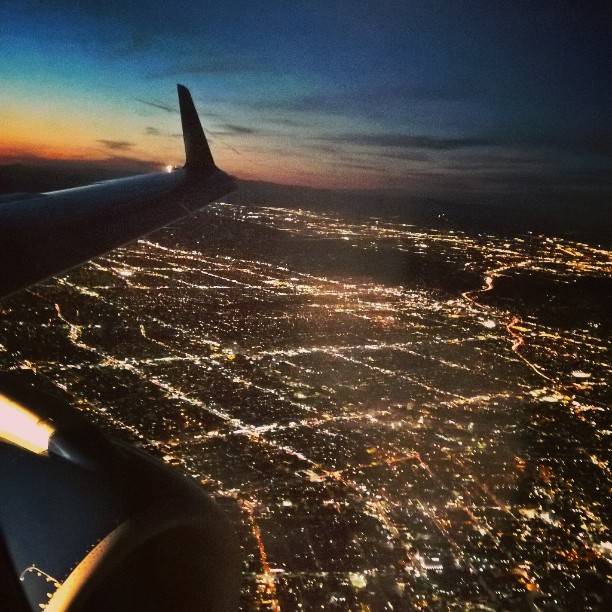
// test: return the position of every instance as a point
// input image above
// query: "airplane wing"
(87, 522)
(46, 234)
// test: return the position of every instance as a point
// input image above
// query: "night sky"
(420, 95)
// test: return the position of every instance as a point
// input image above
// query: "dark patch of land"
(579, 214)
(566, 303)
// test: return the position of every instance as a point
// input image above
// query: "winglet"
(198, 157)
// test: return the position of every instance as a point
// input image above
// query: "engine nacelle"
(90, 523)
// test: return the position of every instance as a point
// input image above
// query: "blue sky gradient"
(420, 95)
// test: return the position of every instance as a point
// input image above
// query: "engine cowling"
(91, 523)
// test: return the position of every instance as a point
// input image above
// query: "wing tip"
(197, 152)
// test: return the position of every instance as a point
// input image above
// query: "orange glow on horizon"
(40, 133)
(46, 137)
(284, 172)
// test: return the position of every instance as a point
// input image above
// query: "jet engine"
(91, 523)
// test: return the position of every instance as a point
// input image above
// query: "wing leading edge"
(49, 234)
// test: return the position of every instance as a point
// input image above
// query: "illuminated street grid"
(381, 444)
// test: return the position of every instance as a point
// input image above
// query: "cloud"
(406, 141)
(365, 100)
(366, 167)
(116, 145)
(286, 122)
(153, 131)
(420, 157)
(231, 128)
(156, 104)
(217, 137)
(306, 103)
(415, 146)
(213, 65)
